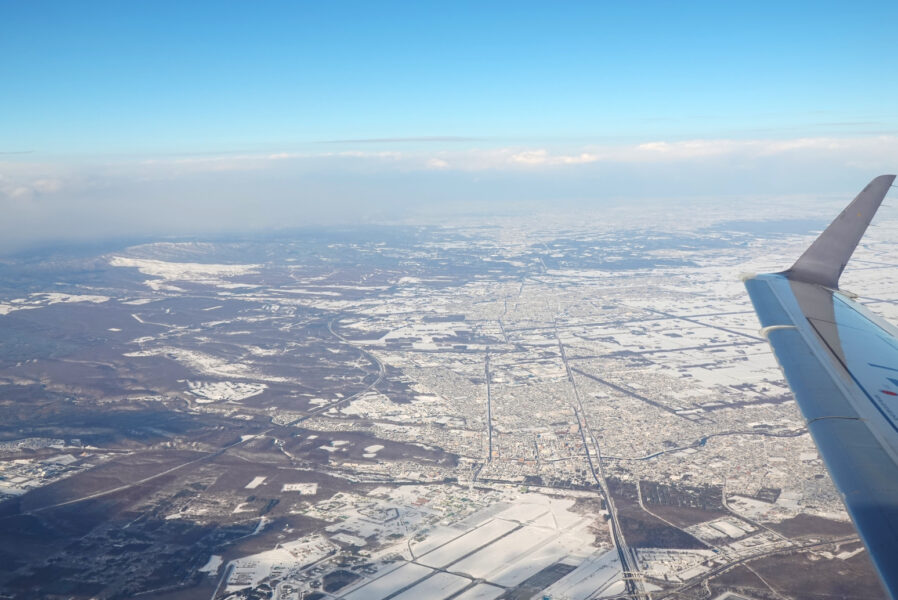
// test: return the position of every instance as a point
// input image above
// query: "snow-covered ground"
(256, 482)
(206, 364)
(230, 391)
(305, 489)
(212, 565)
(41, 299)
(182, 271)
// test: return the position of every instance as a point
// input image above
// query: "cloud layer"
(56, 200)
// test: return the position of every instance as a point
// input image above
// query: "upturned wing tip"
(825, 259)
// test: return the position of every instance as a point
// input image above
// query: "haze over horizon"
(163, 118)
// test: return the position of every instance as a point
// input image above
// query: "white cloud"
(683, 150)
(543, 157)
(877, 152)
(47, 186)
(388, 155)
(26, 182)
(873, 150)
(437, 163)
(42, 201)
(822, 146)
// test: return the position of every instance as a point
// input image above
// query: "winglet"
(823, 262)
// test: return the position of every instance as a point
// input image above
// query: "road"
(628, 392)
(701, 442)
(720, 570)
(127, 486)
(489, 408)
(381, 373)
(629, 565)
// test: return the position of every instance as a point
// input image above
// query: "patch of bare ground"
(739, 580)
(809, 525)
(593, 507)
(283, 528)
(685, 516)
(683, 505)
(809, 576)
(352, 446)
(204, 587)
(643, 529)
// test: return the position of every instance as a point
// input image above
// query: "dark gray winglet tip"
(824, 260)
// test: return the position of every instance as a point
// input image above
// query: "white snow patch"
(441, 585)
(207, 364)
(597, 576)
(306, 489)
(211, 565)
(390, 583)
(182, 271)
(61, 459)
(263, 522)
(256, 482)
(251, 570)
(349, 539)
(481, 591)
(40, 299)
(230, 391)
(56, 298)
(12, 490)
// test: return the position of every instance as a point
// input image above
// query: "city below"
(573, 408)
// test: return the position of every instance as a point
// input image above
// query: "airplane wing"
(841, 362)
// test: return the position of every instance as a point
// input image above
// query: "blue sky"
(94, 90)
(109, 77)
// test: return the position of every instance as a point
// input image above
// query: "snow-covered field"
(208, 365)
(599, 576)
(250, 571)
(390, 583)
(178, 271)
(481, 591)
(502, 554)
(41, 299)
(305, 489)
(440, 585)
(256, 482)
(467, 543)
(229, 391)
(211, 565)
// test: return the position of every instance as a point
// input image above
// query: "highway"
(629, 565)
(489, 409)
(381, 373)
(142, 481)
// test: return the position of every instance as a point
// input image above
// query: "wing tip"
(825, 259)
